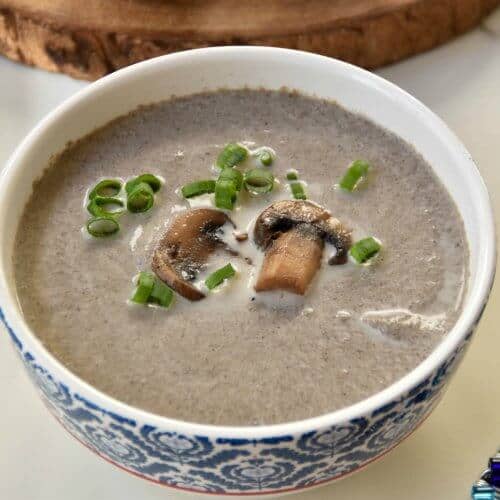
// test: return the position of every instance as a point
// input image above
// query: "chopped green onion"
(231, 155)
(298, 190)
(100, 227)
(365, 249)
(140, 198)
(233, 175)
(150, 290)
(198, 188)
(225, 194)
(217, 277)
(144, 288)
(106, 188)
(101, 206)
(357, 170)
(226, 188)
(259, 181)
(266, 156)
(150, 179)
(161, 294)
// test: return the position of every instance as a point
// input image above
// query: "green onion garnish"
(161, 294)
(198, 188)
(233, 175)
(226, 188)
(217, 277)
(231, 155)
(298, 190)
(259, 181)
(150, 179)
(140, 198)
(150, 290)
(144, 288)
(106, 188)
(101, 206)
(100, 227)
(355, 173)
(265, 155)
(365, 249)
(225, 194)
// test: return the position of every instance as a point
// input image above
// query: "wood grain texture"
(89, 39)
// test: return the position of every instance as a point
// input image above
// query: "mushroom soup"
(240, 257)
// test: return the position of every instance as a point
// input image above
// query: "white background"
(38, 459)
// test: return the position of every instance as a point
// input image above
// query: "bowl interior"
(210, 69)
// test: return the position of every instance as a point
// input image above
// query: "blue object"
(494, 466)
(483, 491)
(222, 463)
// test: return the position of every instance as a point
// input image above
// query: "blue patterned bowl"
(263, 459)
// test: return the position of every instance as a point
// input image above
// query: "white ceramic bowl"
(263, 459)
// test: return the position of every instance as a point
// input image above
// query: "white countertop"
(38, 460)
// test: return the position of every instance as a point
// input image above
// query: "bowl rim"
(465, 323)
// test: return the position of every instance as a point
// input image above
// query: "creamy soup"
(299, 328)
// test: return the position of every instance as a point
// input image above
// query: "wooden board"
(87, 39)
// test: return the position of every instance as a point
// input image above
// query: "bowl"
(266, 459)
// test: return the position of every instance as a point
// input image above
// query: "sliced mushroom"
(188, 242)
(292, 234)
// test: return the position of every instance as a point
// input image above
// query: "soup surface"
(239, 357)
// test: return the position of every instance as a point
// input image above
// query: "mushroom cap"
(185, 247)
(283, 215)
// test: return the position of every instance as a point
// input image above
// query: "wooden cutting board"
(89, 38)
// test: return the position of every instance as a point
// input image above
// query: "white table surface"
(38, 460)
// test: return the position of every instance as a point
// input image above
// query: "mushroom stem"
(292, 234)
(291, 261)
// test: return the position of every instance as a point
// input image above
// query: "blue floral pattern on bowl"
(237, 466)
